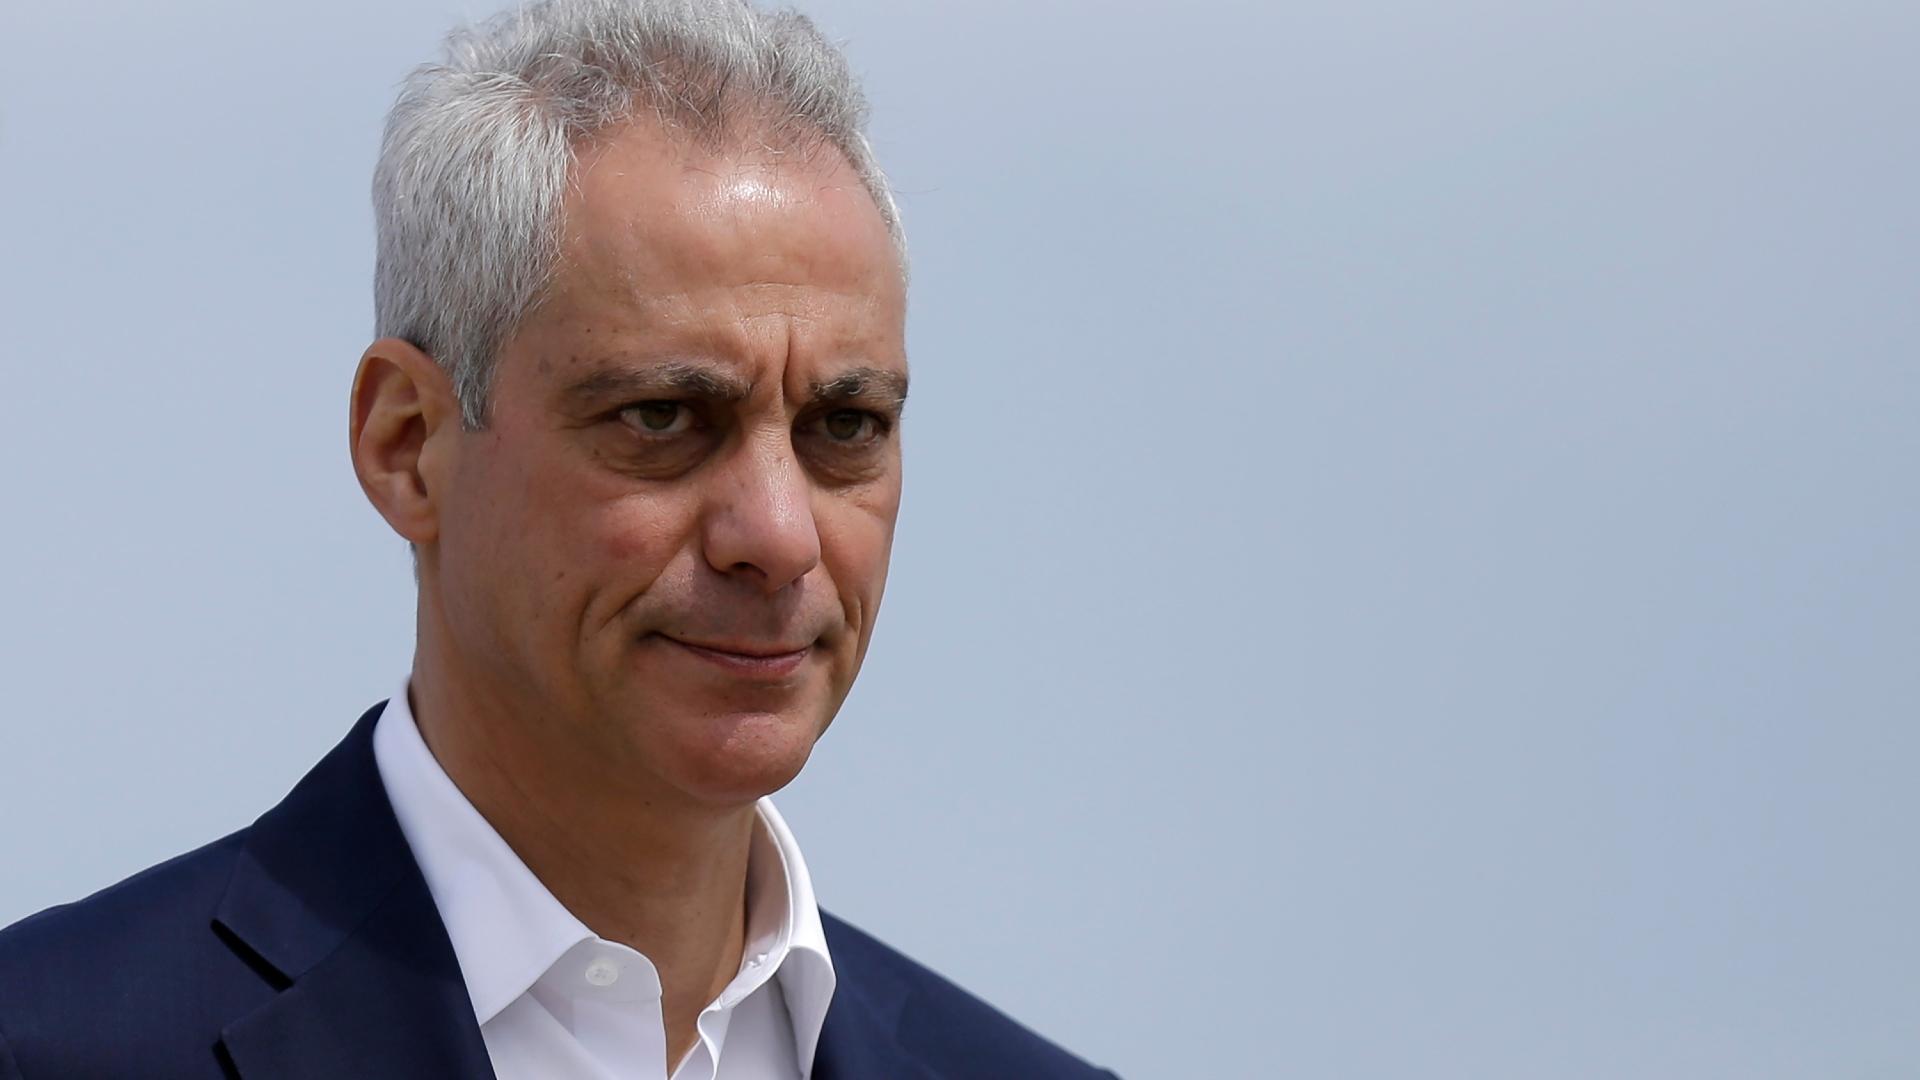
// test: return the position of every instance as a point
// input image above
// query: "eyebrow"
(672, 378)
(677, 378)
(886, 388)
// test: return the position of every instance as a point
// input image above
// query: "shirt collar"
(507, 929)
(806, 972)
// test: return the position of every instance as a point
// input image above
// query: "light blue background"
(1409, 557)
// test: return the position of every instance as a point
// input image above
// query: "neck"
(663, 877)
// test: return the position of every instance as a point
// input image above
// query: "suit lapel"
(851, 1048)
(328, 904)
(860, 1038)
(388, 1003)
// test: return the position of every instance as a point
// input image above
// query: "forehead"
(652, 218)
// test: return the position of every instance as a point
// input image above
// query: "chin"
(736, 758)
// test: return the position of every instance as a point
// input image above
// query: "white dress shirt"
(554, 1000)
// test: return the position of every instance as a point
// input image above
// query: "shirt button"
(603, 973)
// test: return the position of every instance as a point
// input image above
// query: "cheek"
(516, 536)
(490, 552)
(559, 540)
(640, 533)
(627, 547)
(856, 542)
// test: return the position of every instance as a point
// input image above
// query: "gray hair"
(479, 148)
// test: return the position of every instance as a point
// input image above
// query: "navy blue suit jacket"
(308, 946)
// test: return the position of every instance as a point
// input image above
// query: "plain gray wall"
(1408, 560)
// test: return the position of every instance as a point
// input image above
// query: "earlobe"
(400, 417)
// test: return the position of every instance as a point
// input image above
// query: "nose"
(759, 523)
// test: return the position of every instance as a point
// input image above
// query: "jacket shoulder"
(129, 970)
(172, 895)
(950, 1027)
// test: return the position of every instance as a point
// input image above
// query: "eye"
(850, 427)
(655, 418)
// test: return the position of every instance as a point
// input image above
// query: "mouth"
(747, 659)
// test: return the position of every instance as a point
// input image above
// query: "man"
(635, 405)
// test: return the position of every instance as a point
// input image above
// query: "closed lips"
(751, 652)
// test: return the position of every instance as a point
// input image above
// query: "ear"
(401, 426)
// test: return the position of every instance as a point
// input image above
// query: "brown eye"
(847, 425)
(658, 417)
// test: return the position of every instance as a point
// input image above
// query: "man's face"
(665, 552)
